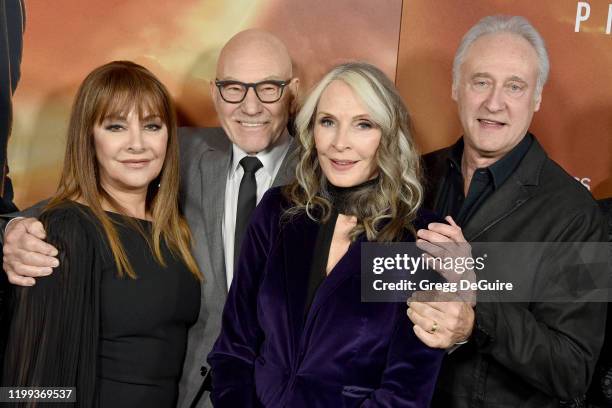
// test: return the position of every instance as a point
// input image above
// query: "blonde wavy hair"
(385, 211)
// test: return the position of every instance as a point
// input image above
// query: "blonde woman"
(295, 332)
(112, 319)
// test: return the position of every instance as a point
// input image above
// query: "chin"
(254, 146)
(344, 182)
(136, 184)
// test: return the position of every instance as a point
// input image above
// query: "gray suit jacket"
(205, 161)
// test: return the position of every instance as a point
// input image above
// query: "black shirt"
(121, 342)
(144, 323)
(484, 182)
(318, 270)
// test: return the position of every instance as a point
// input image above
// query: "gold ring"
(434, 327)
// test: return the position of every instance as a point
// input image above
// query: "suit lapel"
(286, 171)
(511, 195)
(214, 165)
(298, 241)
(347, 266)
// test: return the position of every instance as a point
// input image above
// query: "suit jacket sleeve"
(54, 329)
(546, 344)
(33, 211)
(233, 355)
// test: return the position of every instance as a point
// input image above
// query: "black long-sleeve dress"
(120, 341)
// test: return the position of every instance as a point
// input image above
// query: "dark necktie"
(247, 199)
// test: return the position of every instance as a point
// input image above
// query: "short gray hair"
(505, 24)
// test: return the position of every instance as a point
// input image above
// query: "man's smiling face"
(496, 93)
(254, 56)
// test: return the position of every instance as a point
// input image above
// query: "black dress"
(120, 341)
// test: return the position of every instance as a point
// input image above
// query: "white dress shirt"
(264, 177)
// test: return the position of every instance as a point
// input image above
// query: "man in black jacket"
(496, 184)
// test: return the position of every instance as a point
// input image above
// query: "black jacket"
(600, 393)
(525, 354)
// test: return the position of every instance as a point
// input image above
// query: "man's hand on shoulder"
(26, 254)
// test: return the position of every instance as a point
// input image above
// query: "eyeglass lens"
(266, 91)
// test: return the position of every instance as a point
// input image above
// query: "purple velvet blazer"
(345, 353)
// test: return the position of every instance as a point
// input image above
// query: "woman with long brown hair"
(112, 319)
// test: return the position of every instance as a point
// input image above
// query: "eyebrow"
(360, 116)
(268, 78)
(487, 75)
(516, 78)
(481, 74)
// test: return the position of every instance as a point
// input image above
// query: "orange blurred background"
(412, 41)
(574, 123)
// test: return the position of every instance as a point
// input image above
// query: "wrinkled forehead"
(254, 61)
(507, 52)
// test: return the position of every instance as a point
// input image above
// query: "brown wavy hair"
(386, 210)
(115, 89)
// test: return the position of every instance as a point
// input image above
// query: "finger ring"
(434, 327)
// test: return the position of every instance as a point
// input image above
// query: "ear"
(213, 89)
(295, 86)
(537, 103)
(214, 95)
(454, 92)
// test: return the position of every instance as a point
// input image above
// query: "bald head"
(249, 57)
(256, 48)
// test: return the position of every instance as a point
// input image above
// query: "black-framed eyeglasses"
(269, 91)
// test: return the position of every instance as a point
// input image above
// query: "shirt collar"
(504, 167)
(501, 169)
(456, 153)
(269, 158)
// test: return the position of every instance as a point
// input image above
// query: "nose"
(495, 101)
(136, 139)
(251, 105)
(341, 138)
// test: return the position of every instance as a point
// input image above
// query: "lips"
(252, 124)
(490, 123)
(135, 163)
(342, 164)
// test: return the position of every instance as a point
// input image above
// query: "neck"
(470, 161)
(133, 203)
(342, 198)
